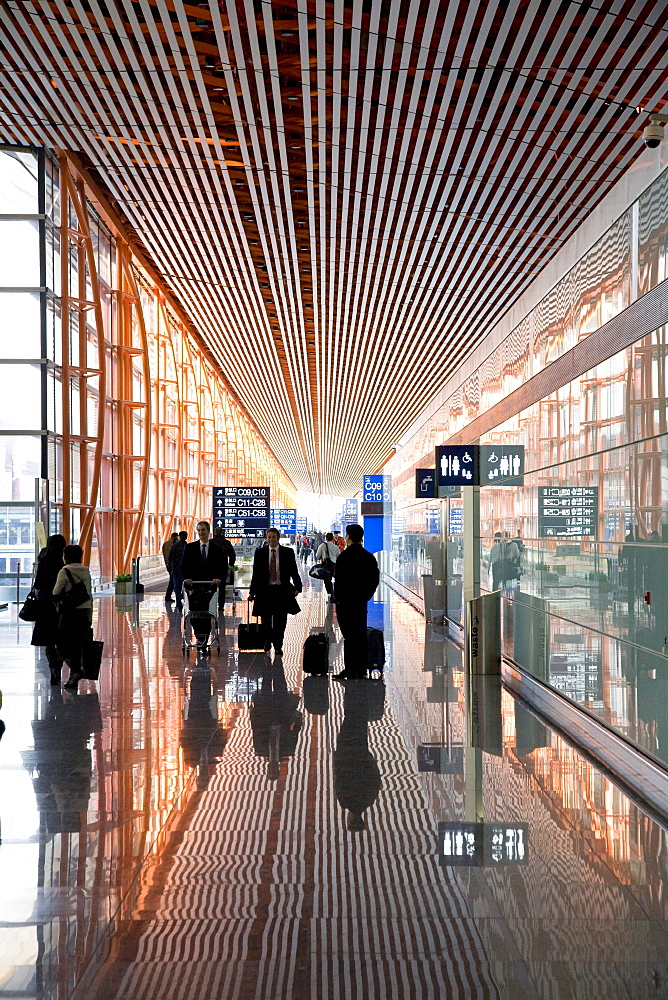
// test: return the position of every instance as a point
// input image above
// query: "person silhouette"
(356, 776)
(275, 720)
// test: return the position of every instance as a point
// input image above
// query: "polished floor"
(228, 829)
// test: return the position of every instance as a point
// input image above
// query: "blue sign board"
(456, 521)
(301, 524)
(425, 484)
(284, 519)
(350, 512)
(241, 511)
(377, 488)
(432, 516)
(488, 845)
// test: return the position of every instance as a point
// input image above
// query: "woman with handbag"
(49, 564)
(73, 595)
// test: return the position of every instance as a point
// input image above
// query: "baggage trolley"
(199, 625)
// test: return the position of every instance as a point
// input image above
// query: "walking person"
(355, 583)
(175, 559)
(306, 549)
(338, 541)
(166, 549)
(74, 623)
(327, 555)
(220, 539)
(49, 565)
(274, 585)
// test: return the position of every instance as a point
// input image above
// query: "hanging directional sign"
(456, 465)
(568, 511)
(460, 465)
(350, 513)
(501, 466)
(301, 524)
(285, 519)
(425, 484)
(241, 511)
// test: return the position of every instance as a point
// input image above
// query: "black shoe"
(73, 682)
(278, 650)
(267, 647)
(55, 677)
(345, 676)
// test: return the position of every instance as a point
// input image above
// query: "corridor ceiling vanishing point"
(344, 196)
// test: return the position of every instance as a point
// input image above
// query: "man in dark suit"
(356, 580)
(203, 560)
(274, 584)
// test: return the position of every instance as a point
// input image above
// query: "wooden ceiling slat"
(444, 152)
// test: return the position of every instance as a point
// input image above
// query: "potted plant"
(123, 584)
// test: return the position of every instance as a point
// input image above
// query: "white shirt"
(278, 564)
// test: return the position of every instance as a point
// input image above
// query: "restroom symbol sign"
(501, 465)
(456, 465)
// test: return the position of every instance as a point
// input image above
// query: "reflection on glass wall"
(580, 550)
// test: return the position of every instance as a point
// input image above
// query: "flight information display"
(242, 511)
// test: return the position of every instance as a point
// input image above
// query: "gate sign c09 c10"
(241, 511)
(378, 488)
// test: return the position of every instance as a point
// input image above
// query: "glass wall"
(22, 364)
(114, 423)
(601, 597)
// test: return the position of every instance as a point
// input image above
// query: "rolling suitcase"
(316, 654)
(376, 658)
(250, 635)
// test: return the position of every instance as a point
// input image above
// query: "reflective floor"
(230, 829)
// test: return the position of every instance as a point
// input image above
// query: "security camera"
(653, 133)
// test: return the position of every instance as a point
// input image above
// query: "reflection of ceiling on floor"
(345, 197)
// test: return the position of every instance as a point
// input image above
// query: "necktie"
(204, 552)
(272, 567)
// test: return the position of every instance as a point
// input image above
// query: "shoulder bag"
(70, 600)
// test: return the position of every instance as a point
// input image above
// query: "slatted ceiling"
(344, 251)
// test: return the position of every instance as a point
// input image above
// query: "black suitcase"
(250, 635)
(376, 658)
(316, 694)
(316, 654)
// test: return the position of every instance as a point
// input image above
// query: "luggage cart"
(199, 625)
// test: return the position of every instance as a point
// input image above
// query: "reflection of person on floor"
(202, 738)
(356, 775)
(275, 721)
(61, 762)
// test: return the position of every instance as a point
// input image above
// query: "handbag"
(91, 658)
(70, 600)
(31, 610)
(319, 571)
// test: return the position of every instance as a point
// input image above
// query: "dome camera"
(653, 133)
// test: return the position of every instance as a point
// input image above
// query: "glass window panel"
(19, 254)
(20, 325)
(18, 183)
(21, 397)
(20, 465)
